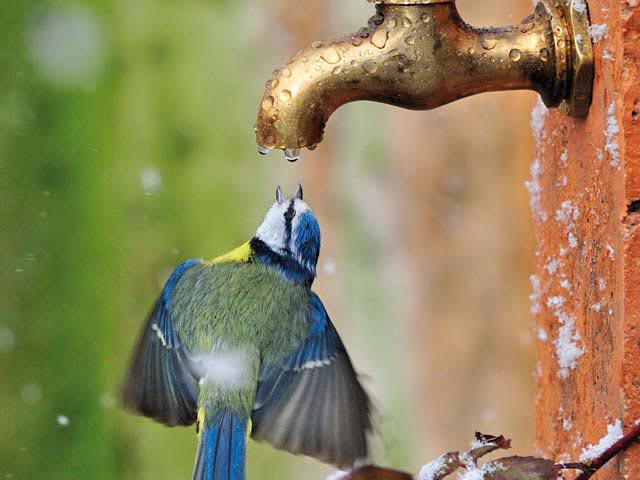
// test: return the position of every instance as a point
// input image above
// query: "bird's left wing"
(161, 382)
(311, 402)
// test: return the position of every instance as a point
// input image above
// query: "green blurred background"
(126, 146)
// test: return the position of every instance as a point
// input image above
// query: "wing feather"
(312, 402)
(161, 382)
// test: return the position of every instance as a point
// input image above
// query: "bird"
(242, 346)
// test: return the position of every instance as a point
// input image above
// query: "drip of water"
(263, 150)
(292, 154)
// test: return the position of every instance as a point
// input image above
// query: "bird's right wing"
(311, 402)
(161, 382)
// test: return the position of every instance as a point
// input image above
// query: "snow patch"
(567, 349)
(614, 433)
(542, 334)
(433, 469)
(598, 31)
(578, 5)
(534, 297)
(611, 136)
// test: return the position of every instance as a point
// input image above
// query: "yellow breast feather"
(240, 254)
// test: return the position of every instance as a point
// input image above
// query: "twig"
(625, 442)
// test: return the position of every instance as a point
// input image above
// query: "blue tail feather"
(222, 448)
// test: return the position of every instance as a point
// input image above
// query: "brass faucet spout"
(421, 56)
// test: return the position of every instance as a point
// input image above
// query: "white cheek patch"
(272, 229)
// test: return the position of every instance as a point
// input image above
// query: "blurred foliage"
(108, 178)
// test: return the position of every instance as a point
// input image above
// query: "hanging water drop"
(267, 103)
(292, 154)
(263, 150)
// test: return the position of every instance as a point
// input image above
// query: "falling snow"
(614, 433)
(151, 180)
(7, 339)
(611, 136)
(63, 420)
(67, 46)
(225, 369)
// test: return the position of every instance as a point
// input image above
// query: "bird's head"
(290, 229)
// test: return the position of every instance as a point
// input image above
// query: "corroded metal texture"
(419, 57)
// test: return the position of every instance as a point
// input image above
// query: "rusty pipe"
(420, 54)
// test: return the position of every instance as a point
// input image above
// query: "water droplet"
(561, 43)
(318, 68)
(316, 44)
(275, 73)
(406, 23)
(330, 55)
(471, 50)
(393, 23)
(370, 66)
(377, 19)
(285, 95)
(312, 147)
(263, 150)
(544, 55)
(301, 140)
(526, 27)
(292, 154)
(410, 40)
(379, 38)
(267, 103)
(255, 128)
(488, 43)
(515, 55)
(286, 73)
(356, 41)
(425, 18)
(354, 63)
(337, 70)
(273, 83)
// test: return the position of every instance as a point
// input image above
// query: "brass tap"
(419, 54)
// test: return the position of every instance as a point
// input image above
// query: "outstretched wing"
(311, 402)
(161, 382)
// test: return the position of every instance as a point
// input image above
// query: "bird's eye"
(289, 214)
